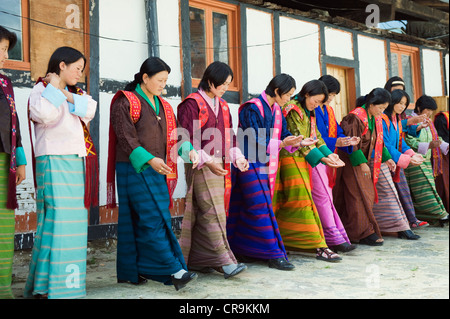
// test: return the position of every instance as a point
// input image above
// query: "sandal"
(418, 224)
(327, 254)
(371, 240)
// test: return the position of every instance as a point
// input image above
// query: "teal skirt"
(58, 264)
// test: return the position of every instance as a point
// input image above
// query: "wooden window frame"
(414, 54)
(233, 13)
(25, 64)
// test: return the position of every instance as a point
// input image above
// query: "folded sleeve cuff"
(80, 105)
(203, 158)
(53, 95)
(404, 161)
(325, 150)
(386, 155)
(423, 148)
(357, 158)
(444, 148)
(184, 151)
(410, 153)
(20, 157)
(139, 159)
(314, 157)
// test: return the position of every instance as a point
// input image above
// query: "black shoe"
(280, 264)
(371, 240)
(443, 221)
(240, 268)
(408, 234)
(141, 280)
(345, 247)
(245, 259)
(187, 277)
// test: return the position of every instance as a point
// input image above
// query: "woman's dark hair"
(425, 102)
(332, 83)
(394, 81)
(151, 66)
(283, 82)
(396, 97)
(376, 96)
(67, 55)
(8, 35)
(313, 87)
(215, 74)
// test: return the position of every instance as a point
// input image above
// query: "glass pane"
(407, 76)
(220, 37)
(10, 18)
(198, 42)
(394, 63)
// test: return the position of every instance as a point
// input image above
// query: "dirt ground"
(401, 268)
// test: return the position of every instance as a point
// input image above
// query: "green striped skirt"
(7, 227)
(58, 264)
(426, 200)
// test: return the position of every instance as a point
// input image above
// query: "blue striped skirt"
(146, 244)
(252, 228)
(58, 264)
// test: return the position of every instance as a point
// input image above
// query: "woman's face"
(221, 89)
(4, 46)
(377, 109)
(70, 74)
(283, 98)
(156, 84)
(400, 107)
(331, 97)
(428, 112)
(313, 101)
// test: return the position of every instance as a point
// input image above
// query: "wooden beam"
(415, 10)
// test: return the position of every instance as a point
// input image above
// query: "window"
(14, 17)
(405, 63)
(343, 103)
(214, 33)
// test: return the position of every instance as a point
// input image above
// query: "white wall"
(300, 50)
(260, 50)
(120, 60)
(372, 63)
(169, 38)
(432, 72)
(339, 43)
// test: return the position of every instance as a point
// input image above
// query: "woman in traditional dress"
(427, 202)
(355, 190)
(143, 151)
(323, 177)
(401, 153)
(252, 228)
(203, 232)
(441, 124)
(60, 113)
(296, 213)
(12, 166)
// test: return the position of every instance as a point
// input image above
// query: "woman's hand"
(391, 164)
(308, 142)
(416, 119)
(20, 174)
(416, 160)
(194, 158)
(365, 169)
(216, 168)
(159, 166)
(53, 79)
(434, 144)
(426, 123)
(242, 164)
(332, 161)
(292, 140)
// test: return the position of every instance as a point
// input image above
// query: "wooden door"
(344, 102)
